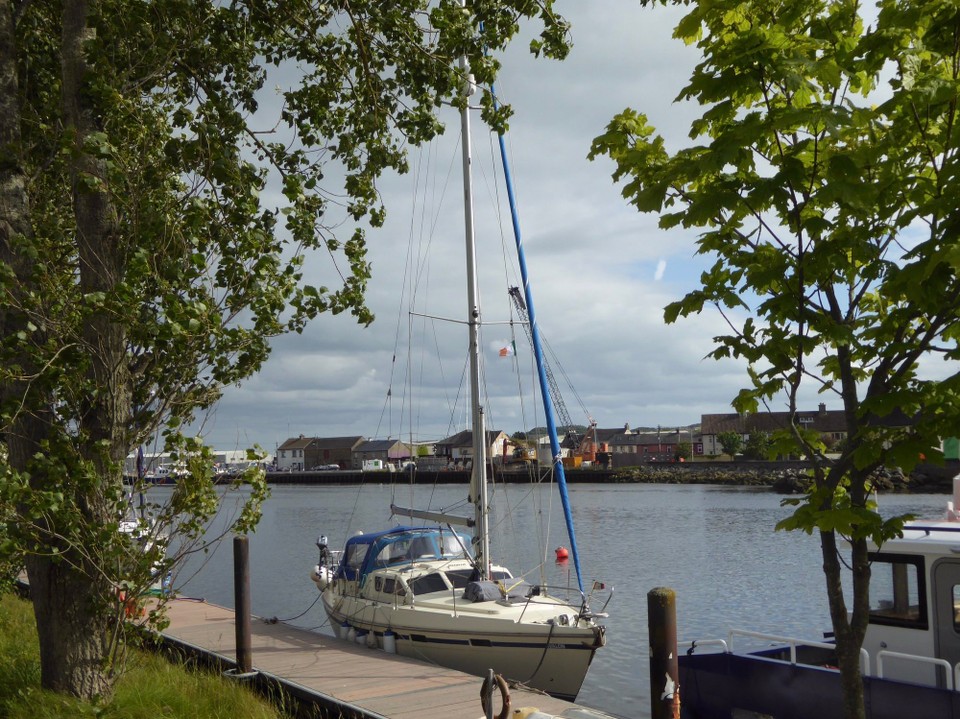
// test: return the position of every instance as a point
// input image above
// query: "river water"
(716, 546)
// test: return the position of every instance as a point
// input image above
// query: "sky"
(601, 272)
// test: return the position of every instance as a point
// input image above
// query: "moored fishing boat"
(910, 659)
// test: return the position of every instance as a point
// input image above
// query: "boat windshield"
(417, 545)
(366, 552)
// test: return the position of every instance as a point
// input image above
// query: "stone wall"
(783, 477)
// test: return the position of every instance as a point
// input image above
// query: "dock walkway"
(349, 679)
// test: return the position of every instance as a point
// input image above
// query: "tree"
(759, 445)
(730, 442)
(683, 452)
(822, 178)
(142, 265)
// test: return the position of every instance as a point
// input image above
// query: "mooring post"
(664, 672)
(241, 594)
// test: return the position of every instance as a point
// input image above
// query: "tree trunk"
(74, 598)
(849, 630)
(73, 635)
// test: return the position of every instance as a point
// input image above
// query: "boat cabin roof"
(398, 546)
(930, 538)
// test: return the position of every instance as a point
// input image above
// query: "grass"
(152, 687)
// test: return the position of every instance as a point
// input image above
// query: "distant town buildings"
(614, 447)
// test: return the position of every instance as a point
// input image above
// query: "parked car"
(325, 467)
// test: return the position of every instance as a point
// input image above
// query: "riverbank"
(782, 477)
(150, 685)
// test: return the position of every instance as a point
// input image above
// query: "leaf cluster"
(821, 179)
(160, 201)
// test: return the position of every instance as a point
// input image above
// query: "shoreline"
(780, 477)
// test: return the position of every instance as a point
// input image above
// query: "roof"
(302, 442)
(605, 435)
(820, 420)
(465, 438)
(337, 442)
(377, 445)
(649, 438)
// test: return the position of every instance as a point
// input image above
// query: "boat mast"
(478, 477)
(538, 355)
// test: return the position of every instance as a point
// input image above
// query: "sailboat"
(432, 592)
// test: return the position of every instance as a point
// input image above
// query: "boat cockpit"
(400, 546)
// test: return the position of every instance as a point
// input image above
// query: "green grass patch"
(152, 687)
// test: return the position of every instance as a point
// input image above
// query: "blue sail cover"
(538, 353)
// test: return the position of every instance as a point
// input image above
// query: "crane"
(579, 443)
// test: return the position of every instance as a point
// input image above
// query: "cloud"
(661, 269)
(591, 259)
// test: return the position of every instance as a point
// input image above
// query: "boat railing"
(697, 643)
(951, 673)
(551, 590)
(586, 612)
(793, 643)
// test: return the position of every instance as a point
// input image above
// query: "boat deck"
(348, 678)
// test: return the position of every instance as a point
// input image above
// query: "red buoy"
(562, 553)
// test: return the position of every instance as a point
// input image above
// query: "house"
(387, 450)
(304, 453)
(830, 424)
(459, 447)
(631, 448)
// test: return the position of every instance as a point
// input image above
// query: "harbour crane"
(585, 447)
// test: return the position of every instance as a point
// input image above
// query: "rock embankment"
(785, 478)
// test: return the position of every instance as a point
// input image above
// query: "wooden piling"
(664, 671)
(241, 593)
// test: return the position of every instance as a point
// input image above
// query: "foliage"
(11, 556)
(730, 442)
(159, 206)
(822, 180)
(683, 451)
(152, 686)
(759, 445)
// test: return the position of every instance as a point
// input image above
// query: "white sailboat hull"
(523, 641)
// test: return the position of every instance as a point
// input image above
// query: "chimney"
(823, 409)
(626, 428)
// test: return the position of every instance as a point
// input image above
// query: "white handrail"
(952, 679)
(913, 657)
(792, 643)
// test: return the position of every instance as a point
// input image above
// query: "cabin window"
(388, 585)
(459, 578)
(356, 554)
(428, 583)
(897, 591)
(956, 607)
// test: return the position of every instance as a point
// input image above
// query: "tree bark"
(849, 628)
(74, 600)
